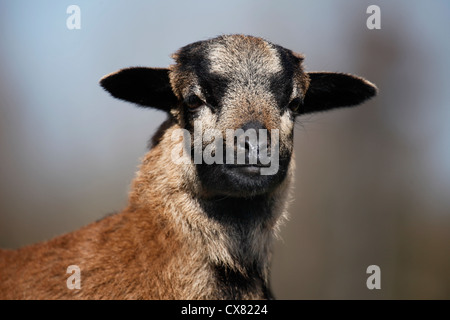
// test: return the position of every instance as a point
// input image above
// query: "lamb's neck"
(239, 233)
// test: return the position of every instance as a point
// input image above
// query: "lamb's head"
(237, 98)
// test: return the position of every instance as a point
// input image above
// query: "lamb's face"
(237, 97)
(236, 85)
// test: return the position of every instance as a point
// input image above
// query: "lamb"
(192, 229)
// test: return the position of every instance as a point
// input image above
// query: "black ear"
(328, 90)
(144, 86)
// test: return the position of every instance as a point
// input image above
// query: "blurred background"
(372, 183)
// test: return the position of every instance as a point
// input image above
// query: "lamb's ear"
(328, 90)
(148, 87)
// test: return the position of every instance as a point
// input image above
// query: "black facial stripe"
(281, 87)
(192, 55)
(213, 87)
(281, 84)
(194, 59)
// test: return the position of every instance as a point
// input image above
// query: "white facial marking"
(295, 92)
(233, 60)
(286, 124)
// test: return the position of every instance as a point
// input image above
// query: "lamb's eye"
(295, 104)
(194, 103)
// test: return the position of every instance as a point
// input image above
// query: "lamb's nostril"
(251, 145)
(256, 141)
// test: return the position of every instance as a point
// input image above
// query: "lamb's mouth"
(242, 180)
(248, 169)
